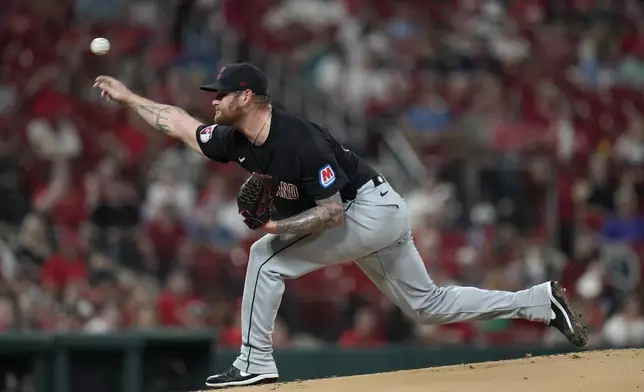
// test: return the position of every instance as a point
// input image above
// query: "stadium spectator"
(232, 336)
(7, 318)
(597, 190)
(167, 235)
(364, 332)
(33, 245)
(626, 327)
(626, 224)
(66, 265)
(168, 191)
(629, 147)
(179, 305)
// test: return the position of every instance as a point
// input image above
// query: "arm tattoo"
(161, 117)
(328, 213)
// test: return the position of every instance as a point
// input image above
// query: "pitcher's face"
(229, 107)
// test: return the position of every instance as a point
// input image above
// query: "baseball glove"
(255, 199)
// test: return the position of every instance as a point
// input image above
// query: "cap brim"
(211, 88)
(215, 88)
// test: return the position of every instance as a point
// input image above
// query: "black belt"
(377, 180)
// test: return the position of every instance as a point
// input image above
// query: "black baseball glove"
(255, 199)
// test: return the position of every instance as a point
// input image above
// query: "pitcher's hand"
(112, 89)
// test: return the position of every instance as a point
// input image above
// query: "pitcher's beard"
(220, 119)
(225, 119)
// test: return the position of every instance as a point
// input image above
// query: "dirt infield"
(613, 370)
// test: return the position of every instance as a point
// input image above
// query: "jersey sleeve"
(216, 141)
(321, 175)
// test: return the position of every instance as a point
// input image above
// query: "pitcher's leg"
(273, 259)
(401, 274)
(263, 290)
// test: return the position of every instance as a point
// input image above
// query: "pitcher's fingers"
(104, 79)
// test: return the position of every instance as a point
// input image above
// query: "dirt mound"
(611, 370)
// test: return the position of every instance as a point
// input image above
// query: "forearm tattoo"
(159, 116)
(328, 213)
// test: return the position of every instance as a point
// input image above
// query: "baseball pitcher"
(320, 204)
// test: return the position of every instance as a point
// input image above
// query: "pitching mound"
(612, 370)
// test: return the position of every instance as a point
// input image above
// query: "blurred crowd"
(527, 115)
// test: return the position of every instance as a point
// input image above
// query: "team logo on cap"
(206, 133)
(326, 176)
(221, 71)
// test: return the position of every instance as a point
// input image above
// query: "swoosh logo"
(383, 194)
(241, 159)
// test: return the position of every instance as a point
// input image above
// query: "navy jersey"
(309, 163)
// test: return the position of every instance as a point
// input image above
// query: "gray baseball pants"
(377, 235)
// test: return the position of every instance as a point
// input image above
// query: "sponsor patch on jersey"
(206, 133)
(326, 176)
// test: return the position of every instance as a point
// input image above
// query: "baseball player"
(320, 204)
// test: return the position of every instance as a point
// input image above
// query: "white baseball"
(99, 46)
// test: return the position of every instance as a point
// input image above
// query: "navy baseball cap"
(239, 77)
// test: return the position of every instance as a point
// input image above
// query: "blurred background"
(513, 128)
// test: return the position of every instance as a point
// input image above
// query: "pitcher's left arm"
(328, 213)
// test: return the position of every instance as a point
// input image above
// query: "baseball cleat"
(234, 377)
(566, 320)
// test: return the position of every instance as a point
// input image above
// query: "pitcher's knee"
(426, 310)
(258, 254)
(263, 264)
(259, 247)
(423, 316)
